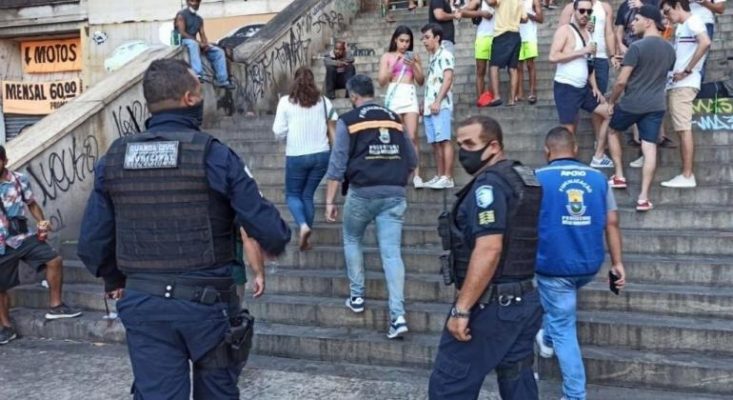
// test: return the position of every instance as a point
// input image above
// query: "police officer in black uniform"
(159, 224)
(491, 233)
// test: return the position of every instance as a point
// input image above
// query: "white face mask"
(192, 10)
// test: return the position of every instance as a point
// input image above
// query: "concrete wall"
(59, 152)
(43, 20)
(111, 11)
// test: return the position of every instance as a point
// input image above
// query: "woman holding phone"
(400, 68)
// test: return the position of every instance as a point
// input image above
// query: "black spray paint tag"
(151, 155)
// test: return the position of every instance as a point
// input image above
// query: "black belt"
(199, 290)
(505, 293)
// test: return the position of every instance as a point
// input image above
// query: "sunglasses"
(666, 11)
(588, 11)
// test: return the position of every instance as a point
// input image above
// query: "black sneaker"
(62, 311)
(225, 85)
(7, 334)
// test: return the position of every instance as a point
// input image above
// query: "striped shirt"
(685, 44)
(304, 128)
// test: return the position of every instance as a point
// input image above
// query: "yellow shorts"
(679, 107)
(483, 47)
(528, 51)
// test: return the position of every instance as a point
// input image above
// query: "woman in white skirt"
(401, 69)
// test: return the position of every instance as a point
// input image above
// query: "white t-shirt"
(305, 128)
(528, 30)
(705, 15)
(599, 31)
(441, 61)
(685, 44)
(486, 27)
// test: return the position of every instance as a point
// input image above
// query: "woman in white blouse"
(308, 121)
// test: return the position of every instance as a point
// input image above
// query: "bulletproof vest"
(377, 147)
(167, 218)
(520, 238)
(193, 21)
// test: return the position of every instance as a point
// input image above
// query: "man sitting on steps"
(189, 24)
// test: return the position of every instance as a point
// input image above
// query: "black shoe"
(62, 311)
(226, 85)
(7, 334)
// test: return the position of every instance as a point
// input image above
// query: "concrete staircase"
(671, 329)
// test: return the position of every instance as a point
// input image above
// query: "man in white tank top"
(575, 86)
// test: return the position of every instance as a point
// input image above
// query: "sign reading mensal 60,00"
(53, 55)
(38, 98)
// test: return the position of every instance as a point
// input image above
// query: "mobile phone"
(612, 278)
(409, 55)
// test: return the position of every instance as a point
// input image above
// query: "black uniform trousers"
(502, 339)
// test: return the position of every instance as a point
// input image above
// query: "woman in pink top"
(401, 69)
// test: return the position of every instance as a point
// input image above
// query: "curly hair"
(304, 91)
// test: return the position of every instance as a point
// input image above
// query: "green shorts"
(483, 47)
(528, 50)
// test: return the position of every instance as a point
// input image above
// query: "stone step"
(706, 373)
(713, 195)
(640, 331)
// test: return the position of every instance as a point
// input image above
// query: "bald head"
(560, 143)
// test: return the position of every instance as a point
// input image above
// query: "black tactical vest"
(520, 239)
(377, 147)
(167, 218)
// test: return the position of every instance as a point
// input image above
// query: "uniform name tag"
(151, 155)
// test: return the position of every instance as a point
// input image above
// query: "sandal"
(495, 103)
(532, 99)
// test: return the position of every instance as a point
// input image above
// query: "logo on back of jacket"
(575, 191)
(386, 150)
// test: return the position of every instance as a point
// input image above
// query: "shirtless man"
(575, 85)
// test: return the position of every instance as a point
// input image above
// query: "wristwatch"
(456, 313)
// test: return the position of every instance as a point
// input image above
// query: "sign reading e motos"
(38, 98)
(54, 55)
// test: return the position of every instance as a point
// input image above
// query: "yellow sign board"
(38, 98)
(53, 55)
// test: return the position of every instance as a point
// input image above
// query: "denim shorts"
(32, 251)
(600, 66)
(569, 100)
(648, 123)
(438, 127)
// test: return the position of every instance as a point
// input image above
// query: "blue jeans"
(559, 299)
(303, 174)
(388, 213)
(214, 54)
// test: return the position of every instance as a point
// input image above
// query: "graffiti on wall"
(130, 119)
(357, 51)
(713, 114)
(333, 20)
(62, 170)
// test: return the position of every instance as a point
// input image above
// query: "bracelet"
(456, 313)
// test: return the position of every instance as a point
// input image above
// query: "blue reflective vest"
(572, 219)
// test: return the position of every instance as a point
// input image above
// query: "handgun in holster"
(234, 349)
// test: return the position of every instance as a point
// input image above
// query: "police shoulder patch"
(484, 196)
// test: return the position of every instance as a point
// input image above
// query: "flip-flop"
(511, 104)
(532, 99)
(496, 102)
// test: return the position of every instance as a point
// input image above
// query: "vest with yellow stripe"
(167, 219)
(377, 147)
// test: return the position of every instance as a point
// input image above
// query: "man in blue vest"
(373, 155)
(577, 207)
(159, 229)
(190, 26)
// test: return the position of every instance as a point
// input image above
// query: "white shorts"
(401, 98)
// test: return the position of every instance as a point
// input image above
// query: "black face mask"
(471, 160)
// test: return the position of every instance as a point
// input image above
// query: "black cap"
(653, 13)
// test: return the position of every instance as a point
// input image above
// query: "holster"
(234, 349)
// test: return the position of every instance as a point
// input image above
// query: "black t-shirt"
(448, 28)
(625, 16)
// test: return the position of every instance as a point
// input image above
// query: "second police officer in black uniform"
(159, 224)
(491, 233)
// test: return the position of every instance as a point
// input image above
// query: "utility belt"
(506, 293)
(199, 290)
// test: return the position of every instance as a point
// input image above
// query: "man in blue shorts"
(643, 76)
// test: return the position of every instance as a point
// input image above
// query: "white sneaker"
(417, 182)
(680, 181)
(431, 182)
(638, 163)
(603, 162)
(545, 350)
(397, 328)
(443, 183)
